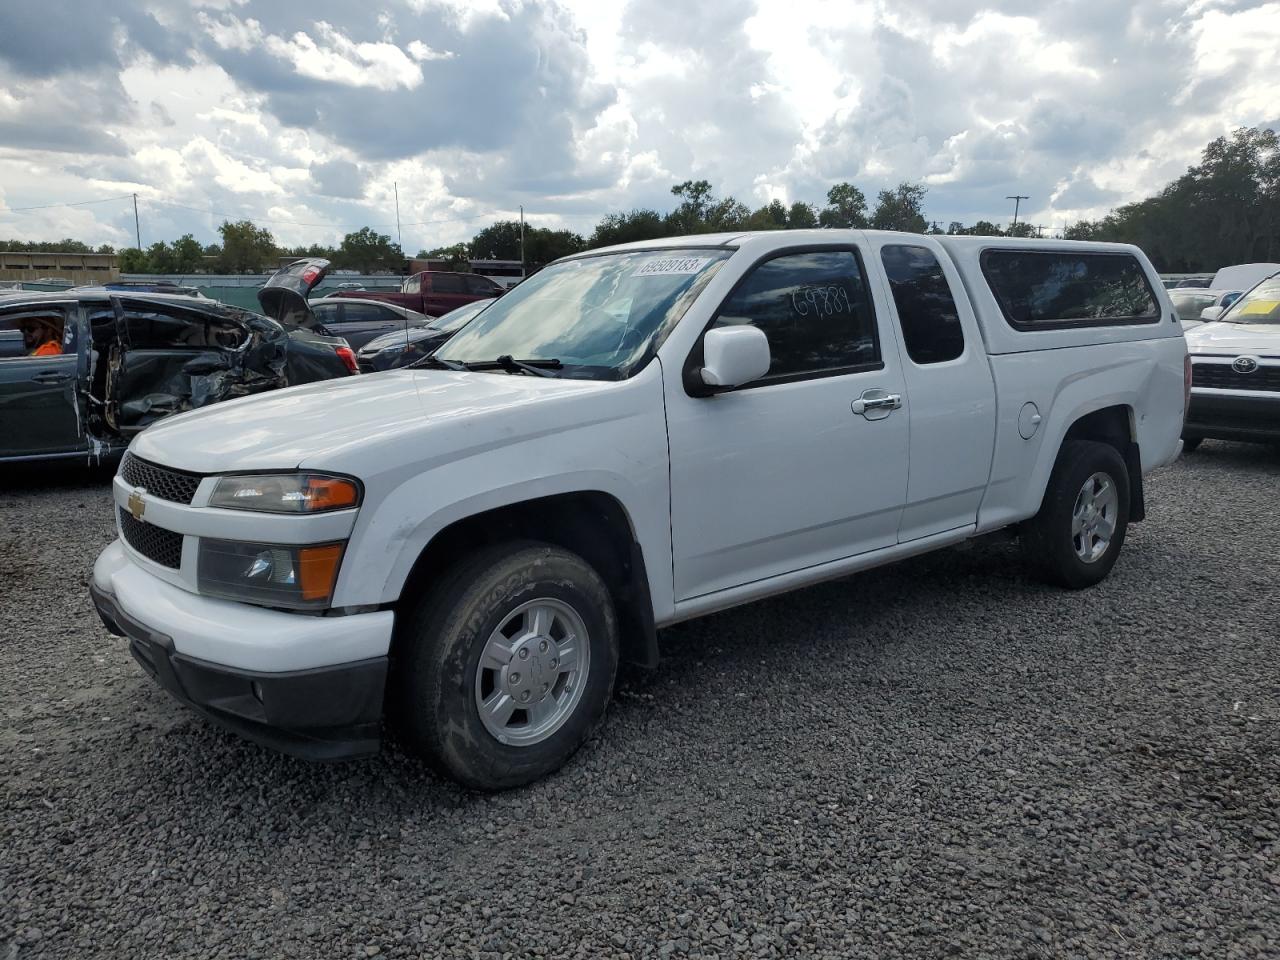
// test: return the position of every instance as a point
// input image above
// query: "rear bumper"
(1231, 416)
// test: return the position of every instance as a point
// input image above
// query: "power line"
(77, 203)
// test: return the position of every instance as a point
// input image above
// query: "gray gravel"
(941, 758)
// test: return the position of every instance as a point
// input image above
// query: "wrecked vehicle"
(81, 372)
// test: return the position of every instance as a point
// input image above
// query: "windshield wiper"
(434, 361)
(540, 368)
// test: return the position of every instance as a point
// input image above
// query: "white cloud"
(575, 108)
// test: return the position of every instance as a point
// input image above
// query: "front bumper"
(324, 705)
(1232, 415)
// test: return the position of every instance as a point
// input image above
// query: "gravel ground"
(939, 758)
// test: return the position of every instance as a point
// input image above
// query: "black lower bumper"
(327, 713)
(1233, 417)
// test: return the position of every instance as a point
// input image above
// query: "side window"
(155, 326)
(814, 308)
(364, 313)
(1046, 290)
(412, 285)
(326, 312)
(36, 331)
(481, 285)
(447, 283)
(926, 308)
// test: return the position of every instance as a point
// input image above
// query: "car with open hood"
(83, 371)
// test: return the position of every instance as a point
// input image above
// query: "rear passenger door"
(807, 465)
(953, 401)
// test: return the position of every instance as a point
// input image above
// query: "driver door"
(40, 413)
(785, 473)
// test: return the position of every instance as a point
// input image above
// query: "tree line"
(1224, 210)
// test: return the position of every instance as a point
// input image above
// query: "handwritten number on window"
(821, 301)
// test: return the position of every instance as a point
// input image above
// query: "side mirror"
(733, 356)
(1212, 313)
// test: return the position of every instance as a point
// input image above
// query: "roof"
(101, 295)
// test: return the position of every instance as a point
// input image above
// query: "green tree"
(187, 253)
(985, 228)
(901, 209)
(846, 207)
(368, 251)
(628, 227)
(772, 216)
(802, 216)
(160, 258)
(690, 215)
(541, 245)
(245, 247)
(501, 241)
(132, 260)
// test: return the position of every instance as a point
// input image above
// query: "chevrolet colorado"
(633, 437)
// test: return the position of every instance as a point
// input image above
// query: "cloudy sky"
(302, 116)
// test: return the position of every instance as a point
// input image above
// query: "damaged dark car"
(81, 372)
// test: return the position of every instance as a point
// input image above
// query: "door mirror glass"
(1211, 313)
(733, 356)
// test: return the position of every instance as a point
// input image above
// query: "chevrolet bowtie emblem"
(137, 506)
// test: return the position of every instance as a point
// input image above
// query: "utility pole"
(396, 186)
(522, 241)
(1017, 199)
(137, 224)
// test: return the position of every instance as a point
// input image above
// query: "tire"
(442, 682)
(1050, 542)
(1191, 444)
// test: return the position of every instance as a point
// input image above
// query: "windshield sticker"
(672, 266)
(1260, 308)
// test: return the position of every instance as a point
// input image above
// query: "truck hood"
(1234, 339)
(320, 423)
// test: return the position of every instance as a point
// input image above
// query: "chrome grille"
(155, 543)
(177, 486)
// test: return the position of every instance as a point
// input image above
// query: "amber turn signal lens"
(330, 493)
(318, 569)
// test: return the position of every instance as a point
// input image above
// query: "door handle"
(51, 377)
(876, 404)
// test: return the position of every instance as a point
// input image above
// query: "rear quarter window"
(1051, 290)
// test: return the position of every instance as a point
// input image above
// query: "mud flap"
(1137, 502)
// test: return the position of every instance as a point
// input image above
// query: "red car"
(434, 292)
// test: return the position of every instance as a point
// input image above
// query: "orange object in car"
(50, 348)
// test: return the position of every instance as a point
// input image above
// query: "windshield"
(601, 317)
(1259, 305)
(457, 319)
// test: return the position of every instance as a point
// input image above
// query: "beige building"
(76, 267)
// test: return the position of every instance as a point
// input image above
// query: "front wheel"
(1076, 537)
(508, 664)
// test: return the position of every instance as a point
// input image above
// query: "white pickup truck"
(632, 437)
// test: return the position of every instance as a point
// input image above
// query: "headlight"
(271, 574)
(286, 493)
